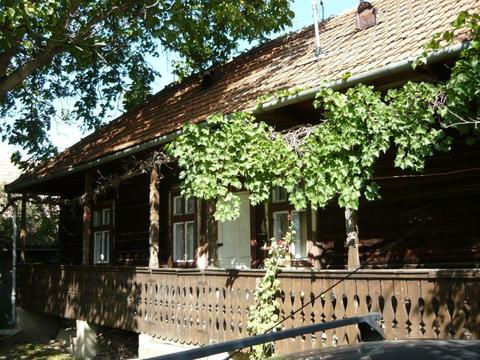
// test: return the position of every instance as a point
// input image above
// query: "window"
(183, 228)
(279, 210)
(281, 225)
(102, 233)
(102, 244)
(279, 195)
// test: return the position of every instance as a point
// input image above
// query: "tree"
(41, 223)
(93, 51)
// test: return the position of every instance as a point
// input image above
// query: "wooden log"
(154, 233)
(212, 234)
(352, 241)
(23, 229)
(87, 218)
(313, 245)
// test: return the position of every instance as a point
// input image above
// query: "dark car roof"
(396, 350)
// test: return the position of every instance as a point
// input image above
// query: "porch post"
(23, 229)
(212, 234)
(87, 217)
(154, 233)
(13, 294)
(352, 241)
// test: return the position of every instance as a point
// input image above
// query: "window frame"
(184, 217)
(103, 228)
(299, 241)
(284, 206)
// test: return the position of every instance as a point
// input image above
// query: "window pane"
(280, 224)
(190, 240)
(106, 216)
(178, 240)
(279, 195)
(96, 218)
(177, 205)
(189, 206)
(97, 246)
(105, 246)
(300, 225)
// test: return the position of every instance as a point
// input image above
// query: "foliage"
(41, 224)
(337, 159)
(237, 153)
(263, 315)
(230, 154)
(91, 52)
(463, 89)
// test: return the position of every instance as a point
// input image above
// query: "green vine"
(263, 315)
(230, 154)
(336, 159)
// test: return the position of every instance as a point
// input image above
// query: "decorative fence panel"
(204, 307)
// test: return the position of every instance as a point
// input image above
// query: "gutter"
(367, 76)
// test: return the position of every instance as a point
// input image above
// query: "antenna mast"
(318, 49)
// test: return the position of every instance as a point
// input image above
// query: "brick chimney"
(366, 15)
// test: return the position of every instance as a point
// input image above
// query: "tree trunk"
(352, 241)
(87, 219)
(154, 234)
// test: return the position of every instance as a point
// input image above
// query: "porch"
(197, 307)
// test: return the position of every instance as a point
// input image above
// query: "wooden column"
(154, 233)
(212, 234)
(314, 250)
(87, 218)
(23, 229)
(352, 241)
(253, 238)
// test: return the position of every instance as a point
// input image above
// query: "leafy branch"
(336, 159)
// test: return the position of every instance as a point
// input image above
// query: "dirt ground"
(39, 351)
(112, 345)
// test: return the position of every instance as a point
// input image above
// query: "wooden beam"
(154, 233)
(253, 238)
(352, 241)
(314, 250)
(87, 218)
(212, 234)
(23, 229)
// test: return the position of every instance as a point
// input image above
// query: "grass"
(37, 351)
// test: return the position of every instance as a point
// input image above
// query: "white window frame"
(101, 252)
(295, 248)
(102, 234)
(279, 195)
(183, 257)
(183, 217)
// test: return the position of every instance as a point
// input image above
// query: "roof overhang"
(450, 52)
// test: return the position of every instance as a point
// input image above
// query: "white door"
(235, 237)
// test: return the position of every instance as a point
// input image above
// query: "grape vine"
(336, 159)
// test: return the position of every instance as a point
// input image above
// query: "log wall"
(429, 212)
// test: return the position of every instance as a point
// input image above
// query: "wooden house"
(112, 241)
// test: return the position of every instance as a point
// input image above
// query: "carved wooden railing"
(195, 307)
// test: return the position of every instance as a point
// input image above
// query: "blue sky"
(64, 135)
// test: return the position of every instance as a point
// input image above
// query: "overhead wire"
(350, 274)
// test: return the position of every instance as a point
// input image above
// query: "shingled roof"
(287, 62)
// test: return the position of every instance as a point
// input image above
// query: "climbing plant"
(334, 160)
(236, 152)
(230, 154)
(263, 315)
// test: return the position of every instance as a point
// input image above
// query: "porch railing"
(204, 307)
